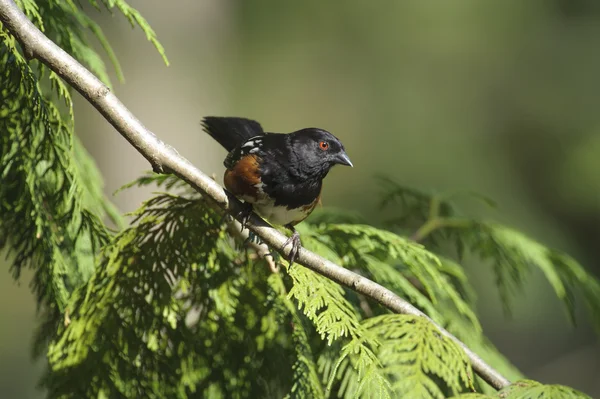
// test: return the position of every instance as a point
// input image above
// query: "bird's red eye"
(324, 145)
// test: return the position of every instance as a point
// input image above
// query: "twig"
(438, 223)
(164, 159)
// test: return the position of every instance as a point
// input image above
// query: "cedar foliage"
(170, 306)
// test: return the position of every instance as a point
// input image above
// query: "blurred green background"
(497, 97)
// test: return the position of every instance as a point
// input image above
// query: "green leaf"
(323, 302)
(474, 395)
(135, 18)
(306, 383)
(415, 354)
(511, 253)
(528, 389)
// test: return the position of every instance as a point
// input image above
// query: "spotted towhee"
(279, 176)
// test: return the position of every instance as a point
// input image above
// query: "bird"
(277, 175)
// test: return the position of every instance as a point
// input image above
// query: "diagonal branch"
(164, 159)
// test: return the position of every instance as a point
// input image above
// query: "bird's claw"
(244, 214)
(253, 238)
(296, 245)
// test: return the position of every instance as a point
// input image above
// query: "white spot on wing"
(251, 146)
(253, 142)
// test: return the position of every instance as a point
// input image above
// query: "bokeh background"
(500, 97)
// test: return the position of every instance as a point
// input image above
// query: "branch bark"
(165, 159)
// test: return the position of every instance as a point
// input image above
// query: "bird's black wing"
(231, 132)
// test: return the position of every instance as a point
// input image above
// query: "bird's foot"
(244, 214)
(253, 238)
(296, 245)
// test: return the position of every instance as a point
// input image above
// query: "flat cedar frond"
(51, 198)
(403, 266)
(461, 328)
(411, 204)
(31, 9)
(306, 381)
(528, 389)
(93, 194)
(416, 356)
(511, 253)
(331, 215)
(128, 313)
(51, 218)
(168, 307)
(65, 23)
(323, 302)
(357, 240)
(168, 182)
(456, 274)
(135, 18)
(171, 311)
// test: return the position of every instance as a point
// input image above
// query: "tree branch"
(164, 159)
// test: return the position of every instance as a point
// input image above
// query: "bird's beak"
(343, 159)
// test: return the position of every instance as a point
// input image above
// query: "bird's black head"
(317, 151)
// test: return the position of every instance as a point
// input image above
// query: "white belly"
(279, 215)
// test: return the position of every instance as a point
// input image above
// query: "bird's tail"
(230, 132)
